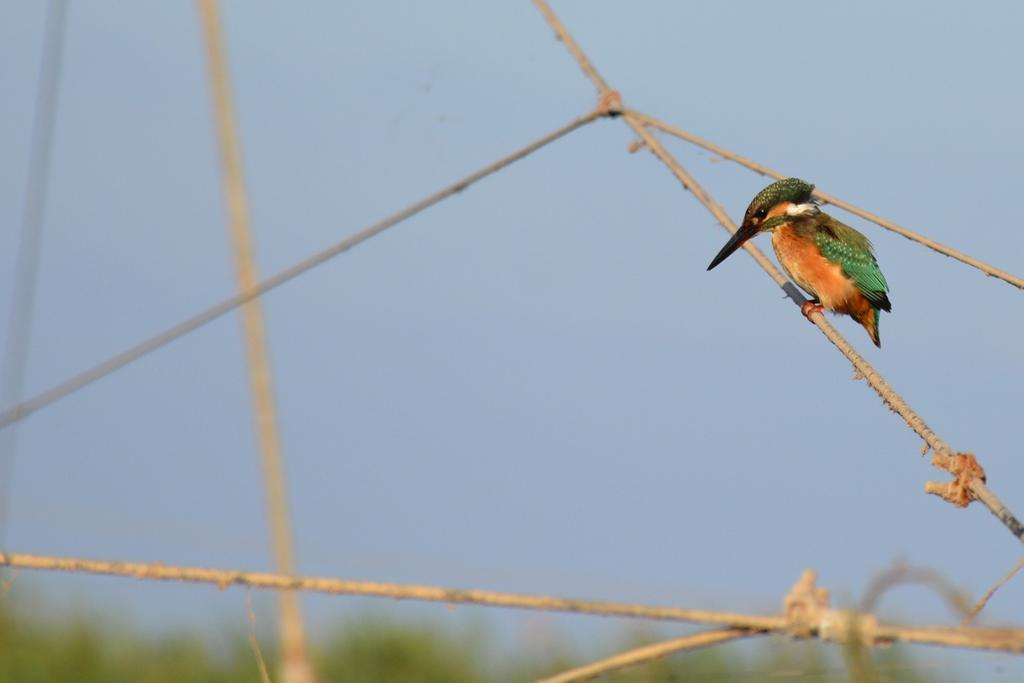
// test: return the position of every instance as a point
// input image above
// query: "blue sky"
(534, 386)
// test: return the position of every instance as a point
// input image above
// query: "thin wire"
(943, 453)
(1005, 640)
(835, 201)
(19, 326)
(73, 384)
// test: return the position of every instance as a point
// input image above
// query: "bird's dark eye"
(761, 213)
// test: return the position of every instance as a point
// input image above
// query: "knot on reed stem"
(808, 615)
(610, 104)
(805, 605)
(965, 469)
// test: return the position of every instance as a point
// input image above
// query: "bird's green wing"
(852, 251)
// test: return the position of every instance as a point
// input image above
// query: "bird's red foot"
(811, 307)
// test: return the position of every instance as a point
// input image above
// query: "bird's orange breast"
(803, 262)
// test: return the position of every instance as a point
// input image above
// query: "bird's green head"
(791, 196)
(781, 202)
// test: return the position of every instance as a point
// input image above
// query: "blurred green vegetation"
(84, 648)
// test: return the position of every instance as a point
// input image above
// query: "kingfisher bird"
(831, 261)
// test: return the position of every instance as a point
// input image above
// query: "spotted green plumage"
(845, 246)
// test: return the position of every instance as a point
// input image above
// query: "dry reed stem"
(1003, 640)
(116, 362)
(254, 643)
(989, 270)
(648, 653)
(945, 456)
(859, 666)
(292, 632)
(398, 591)
(980, 605)
(1009, 640)
(295, 656)
(902, 574)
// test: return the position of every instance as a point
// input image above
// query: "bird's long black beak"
(745, 232)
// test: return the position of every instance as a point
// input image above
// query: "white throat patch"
(808, 209)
